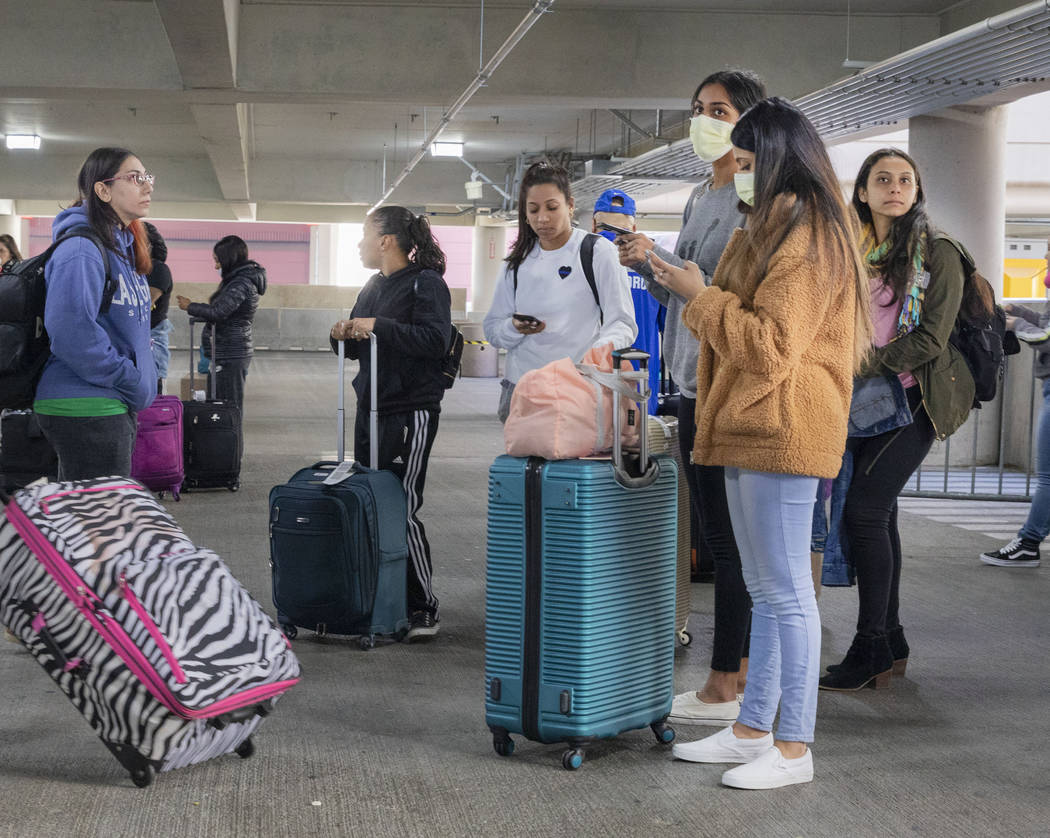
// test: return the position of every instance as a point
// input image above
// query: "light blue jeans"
(1037, 526)
(772, 517)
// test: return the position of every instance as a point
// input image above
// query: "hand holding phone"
(526, 318)
(612, 228)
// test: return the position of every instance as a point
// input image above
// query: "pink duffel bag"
(564, 410)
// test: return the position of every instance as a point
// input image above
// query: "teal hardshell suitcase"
(580, 598)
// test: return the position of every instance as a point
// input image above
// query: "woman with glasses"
(101, 371)
(230, 311)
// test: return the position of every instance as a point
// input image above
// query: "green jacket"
(939, 368)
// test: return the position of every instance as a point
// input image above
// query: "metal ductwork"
(998, 53)
(539, 8)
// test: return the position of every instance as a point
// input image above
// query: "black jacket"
(230, 312)
(413, 312)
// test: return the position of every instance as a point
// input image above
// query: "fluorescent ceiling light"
(446, 149)
(23, 141)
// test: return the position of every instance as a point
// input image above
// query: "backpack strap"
(109, 285)
(587, 260)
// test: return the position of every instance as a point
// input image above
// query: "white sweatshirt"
(565, 304)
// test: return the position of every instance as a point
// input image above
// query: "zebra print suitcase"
(163, 652)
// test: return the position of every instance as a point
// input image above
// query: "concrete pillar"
(490, 248)
(324, 263)
(961, 154)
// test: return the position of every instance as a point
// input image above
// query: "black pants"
(881, 466)
(90, 446)
(405, 440)
(707, 493)
(229, 381)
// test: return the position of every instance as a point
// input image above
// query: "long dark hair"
(230, 252)
(537, 173)
(745, 87)
(103, 164)
(791, 160)
(12, 248)
(413, 236)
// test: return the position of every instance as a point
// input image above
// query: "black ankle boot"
(899, 649)
(852, 656)
(870, 666)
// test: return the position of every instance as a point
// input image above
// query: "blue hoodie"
(96, 355)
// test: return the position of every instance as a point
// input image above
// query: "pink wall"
(283, 249)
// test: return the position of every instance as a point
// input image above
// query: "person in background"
(100, 372)
(160, 285)
(543, 279)
(230, 311)
(9, 253)
(782, 328)
(711, 216)
(1032, 327)
(917, 285)
(617, 208)
(408, 307)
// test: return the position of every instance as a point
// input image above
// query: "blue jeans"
(1037, 527)
(772, 517)
(159, 344)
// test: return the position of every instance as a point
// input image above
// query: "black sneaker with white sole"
(1018, 553)
(422, 626)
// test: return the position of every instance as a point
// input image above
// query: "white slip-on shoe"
(723, 746)
(688, 709)
(771, 770)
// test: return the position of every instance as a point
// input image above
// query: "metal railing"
(983, 482)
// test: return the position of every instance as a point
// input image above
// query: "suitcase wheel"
(142, 777)
(572, 758)
(664, 733)
(289, 630)
(684, 637)
(503, 745)
(366, 641)
(233, 487)
(245, 749)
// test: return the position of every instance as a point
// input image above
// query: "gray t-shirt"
(708, 221)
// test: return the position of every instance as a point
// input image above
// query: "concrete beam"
(222, 129)
(203, 36)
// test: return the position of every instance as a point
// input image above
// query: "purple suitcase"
(156, 461)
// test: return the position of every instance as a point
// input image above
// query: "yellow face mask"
(710, 137)
(745, 187)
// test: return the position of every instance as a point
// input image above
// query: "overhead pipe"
(480, 175)
(539, 8)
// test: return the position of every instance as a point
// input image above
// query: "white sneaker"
(688, 709)
(723, 746)
(771, 770)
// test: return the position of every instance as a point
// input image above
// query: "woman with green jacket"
(917, 286)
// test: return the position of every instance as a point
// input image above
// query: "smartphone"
(612, 228)
(526, 318)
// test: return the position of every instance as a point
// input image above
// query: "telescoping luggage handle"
(648, 470)
(373, 412)
(193, 365)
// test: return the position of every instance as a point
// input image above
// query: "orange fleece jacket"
(775, 372)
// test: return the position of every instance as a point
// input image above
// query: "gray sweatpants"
(90, 446)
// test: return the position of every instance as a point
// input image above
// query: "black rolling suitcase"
(213, 440)
(339, 542)
(25, 453)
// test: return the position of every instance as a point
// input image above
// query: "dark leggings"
(229, 381)
(881, 466)
(707, 493)
(90, 446)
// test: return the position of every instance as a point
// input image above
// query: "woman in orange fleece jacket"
(782, 329)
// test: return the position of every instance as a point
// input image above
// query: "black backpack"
(24, 344)
(453, 356)
(981, 337)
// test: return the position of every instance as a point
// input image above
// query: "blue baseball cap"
(605, 202)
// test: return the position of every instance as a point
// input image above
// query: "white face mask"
(710, 137)
(745, 187)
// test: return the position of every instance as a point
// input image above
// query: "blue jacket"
(96, 355)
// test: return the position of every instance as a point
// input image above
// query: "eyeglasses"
(138, 178)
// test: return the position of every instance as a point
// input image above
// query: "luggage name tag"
(339, 473)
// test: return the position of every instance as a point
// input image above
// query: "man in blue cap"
(616, 207)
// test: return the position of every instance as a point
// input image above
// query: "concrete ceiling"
(305, 109)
